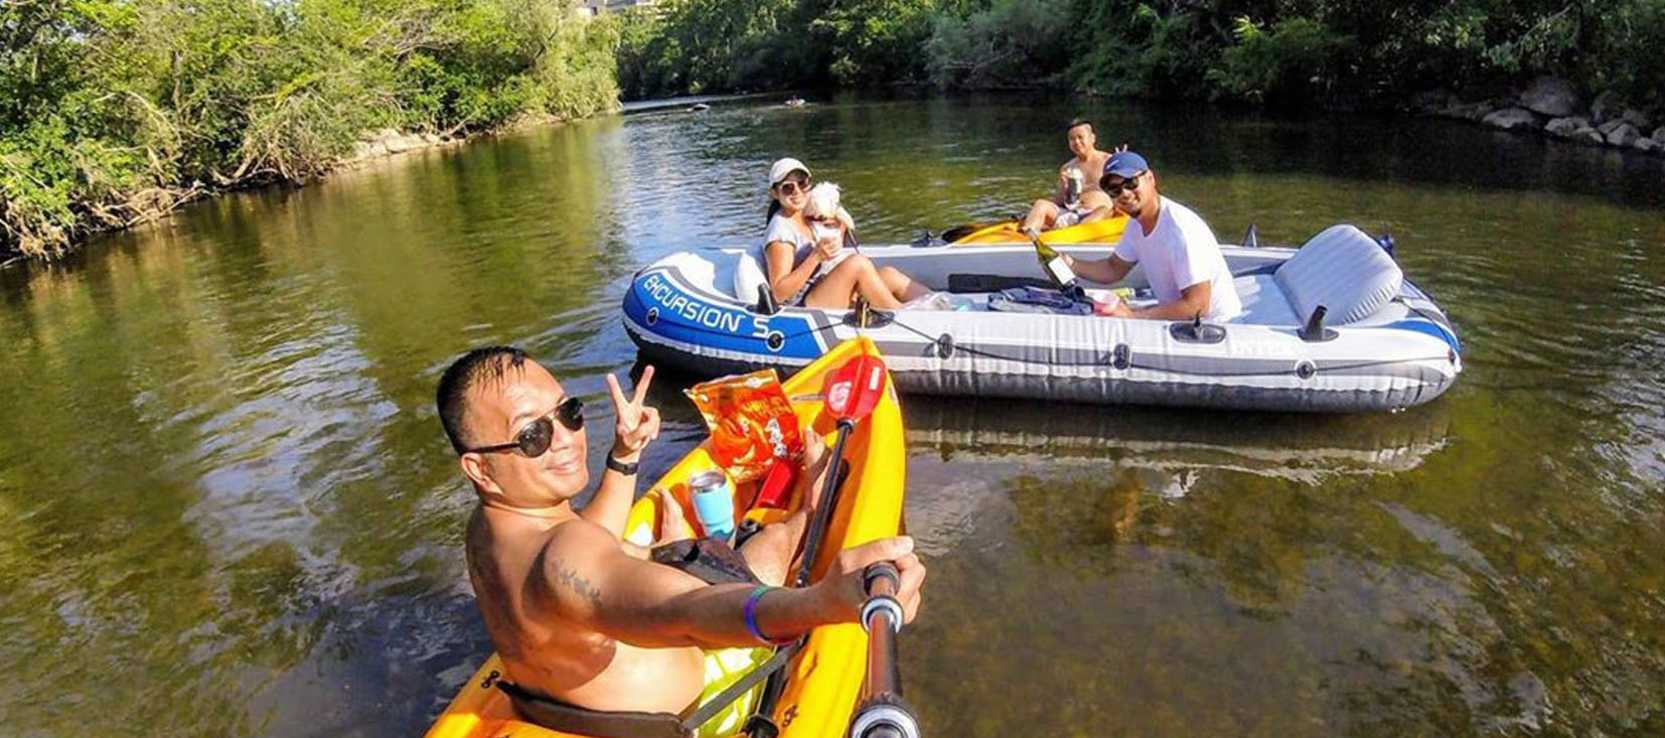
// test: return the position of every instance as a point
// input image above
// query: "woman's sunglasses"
(793, 187)
(533, 440)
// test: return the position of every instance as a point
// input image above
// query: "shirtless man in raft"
(1056, 212)
(577, 613)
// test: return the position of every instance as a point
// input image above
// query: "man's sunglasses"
(533, 440)
(1127, 185)
(793, 187)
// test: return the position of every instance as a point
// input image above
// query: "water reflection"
(1300, 447)
(1254, 604)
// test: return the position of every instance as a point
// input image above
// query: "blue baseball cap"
(1125, 164)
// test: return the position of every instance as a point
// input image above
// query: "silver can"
(1075, 182)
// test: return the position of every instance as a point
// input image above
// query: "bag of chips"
(751, 422)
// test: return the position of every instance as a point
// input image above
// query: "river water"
(228, 509)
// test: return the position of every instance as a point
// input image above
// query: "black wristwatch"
(621, 467)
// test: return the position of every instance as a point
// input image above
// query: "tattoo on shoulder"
(576, 583)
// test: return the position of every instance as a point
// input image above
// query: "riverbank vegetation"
(114, 111)
(1326, 53)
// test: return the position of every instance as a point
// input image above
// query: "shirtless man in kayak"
(1057, 212)
(577, 613)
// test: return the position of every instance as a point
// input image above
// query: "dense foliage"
(699, 46)
(1280, 52)
(1353, 52)
(113, 111)
(1005, 43)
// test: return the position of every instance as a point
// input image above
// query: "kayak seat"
(544, 711)
(1343, 269)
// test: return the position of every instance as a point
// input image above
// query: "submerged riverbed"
(229, 509)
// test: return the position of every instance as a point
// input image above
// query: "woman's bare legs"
(884, 288)
(901, 285)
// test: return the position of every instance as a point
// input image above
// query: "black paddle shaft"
(829, 501)
(762, 724)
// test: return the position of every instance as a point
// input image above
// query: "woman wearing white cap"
(807, 262)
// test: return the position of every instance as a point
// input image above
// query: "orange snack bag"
(751, 422)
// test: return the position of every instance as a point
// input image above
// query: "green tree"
(874, 41)
(115, 111)
(1294, 61)
(1006, 43)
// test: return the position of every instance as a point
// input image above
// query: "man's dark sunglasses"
(533, 440)
(1126, 185)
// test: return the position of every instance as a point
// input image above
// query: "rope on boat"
(1130, 363)
(945, 346)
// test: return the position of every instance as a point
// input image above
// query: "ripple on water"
(271, 460)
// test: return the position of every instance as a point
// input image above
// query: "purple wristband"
(751, 617)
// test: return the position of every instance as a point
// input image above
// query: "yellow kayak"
(1098, 231)
(824, 678)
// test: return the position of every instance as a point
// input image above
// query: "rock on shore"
(1574, 128)
(388, 141)
(1550, 96)
(1511, 118)
(1552, 106)
(1620, 133)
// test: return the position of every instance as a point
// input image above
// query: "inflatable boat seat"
(1263, 301)
(748, 276)
(1343, 269)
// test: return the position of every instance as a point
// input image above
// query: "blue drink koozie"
(714, 504)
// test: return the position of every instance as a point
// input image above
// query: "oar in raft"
(851, 391)
(968, 229)
(880, 711)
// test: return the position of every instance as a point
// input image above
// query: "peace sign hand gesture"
(638, 424)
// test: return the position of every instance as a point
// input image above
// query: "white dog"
(828, 219)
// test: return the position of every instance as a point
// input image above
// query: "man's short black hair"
(484, 363)
(1081, 122)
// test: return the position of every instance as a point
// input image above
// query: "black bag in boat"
(1038, 300)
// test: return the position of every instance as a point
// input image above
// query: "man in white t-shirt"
(1181, 256)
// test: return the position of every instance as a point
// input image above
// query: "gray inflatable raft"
(1379, 343)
